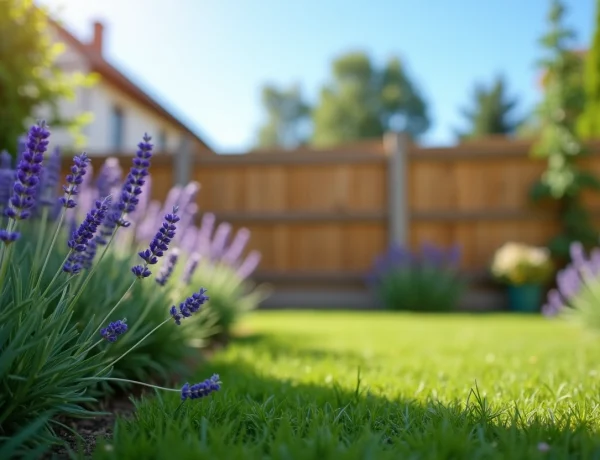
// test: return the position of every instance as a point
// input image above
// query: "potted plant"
(524, 269)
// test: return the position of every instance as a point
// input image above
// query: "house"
(122, 110)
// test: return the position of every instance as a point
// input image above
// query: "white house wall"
(100, 100)
(137, 121)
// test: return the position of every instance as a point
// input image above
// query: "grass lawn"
(443, 387)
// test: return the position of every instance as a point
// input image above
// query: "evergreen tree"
(558, 143)
(491, 112)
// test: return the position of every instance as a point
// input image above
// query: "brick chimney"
(97, 39)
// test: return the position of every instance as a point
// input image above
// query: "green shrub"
(426, 281)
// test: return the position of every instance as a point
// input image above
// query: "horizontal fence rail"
(321, 217)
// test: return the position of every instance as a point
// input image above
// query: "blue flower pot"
(525, 298)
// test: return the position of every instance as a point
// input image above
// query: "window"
(117, 129)
(162, 141)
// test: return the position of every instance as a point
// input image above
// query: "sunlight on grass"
(406, 355)
(380, 385)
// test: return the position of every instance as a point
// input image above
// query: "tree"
(363, 101)
(589, 121)
(30, 79)
(491, 112)
(558, 142)
(287, 117)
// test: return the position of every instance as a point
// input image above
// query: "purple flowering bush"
(422, 281)
(216, 260)
(577, 293)
(54, 350)
(209, 255)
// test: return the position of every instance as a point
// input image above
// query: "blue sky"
(206, 60)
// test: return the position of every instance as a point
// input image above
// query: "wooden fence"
(321, 217)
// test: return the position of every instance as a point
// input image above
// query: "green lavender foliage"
(231, 296)
(161, 355)
(54, 353)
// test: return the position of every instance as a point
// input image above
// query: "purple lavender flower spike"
(175, 315)
(205, 234)
(397, 256)
(112, 332)
(220, 240)
(595, 261)
(144, 201)
(431, 255)
(141, 271)
(86, 193)
(189, 239)
(28, 173)
(7, 177)
(234, 251)
(187, 202)
(83, 235)
(554, 304)
(453, 255)
(172, 198)
(190, 267)
(577, 254)
(568, 282)
(189, 193)
(167, 269)
(191, 305)
(249, 265)
(158, 246)
(202, 389)
(109, 225)
(8, 237)
(187, 219)
(136, 178)
(74, 180)
(51, 177)
(5, 160)
(109, 177)
(87, 257)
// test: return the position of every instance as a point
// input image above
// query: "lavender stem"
(134, 346)
(52, 243)
(116, 305)
(115, 379)
(41, 233)
(6, 252)
(93, 270)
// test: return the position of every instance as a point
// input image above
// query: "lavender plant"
(424, 281)
(49, 360)
(216, 260)
(205, 255)
(163, 354)
(576, 296)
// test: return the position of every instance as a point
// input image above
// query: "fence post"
(182, 162)
(396, 149)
